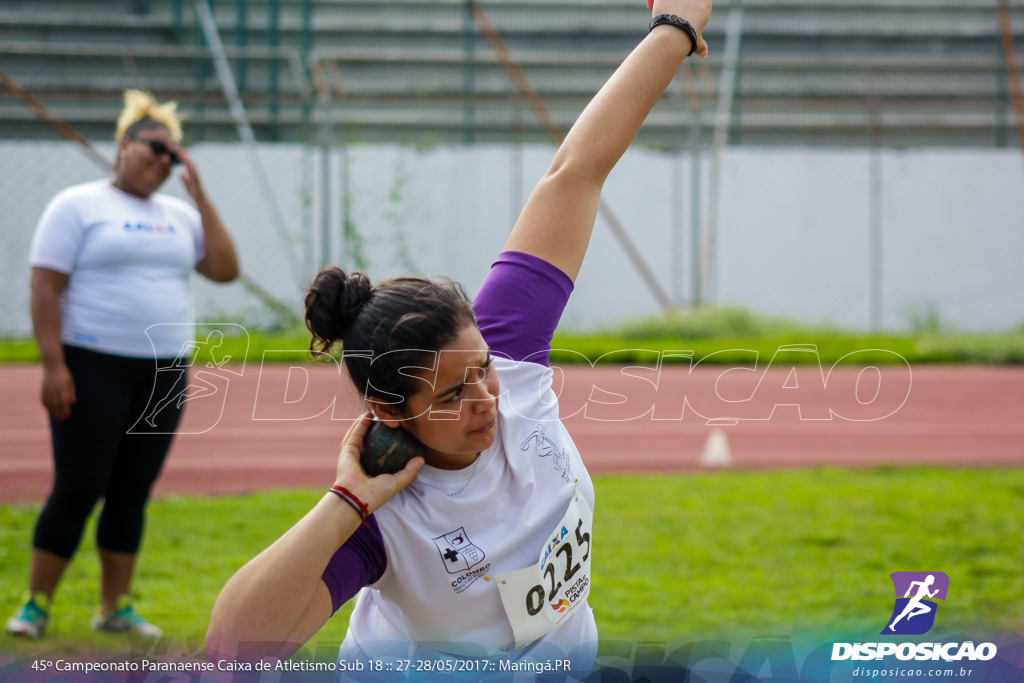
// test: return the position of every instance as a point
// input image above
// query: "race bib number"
(540, 597)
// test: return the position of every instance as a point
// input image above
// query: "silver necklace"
(476, 463)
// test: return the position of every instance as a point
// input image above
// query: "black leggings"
(107, 449)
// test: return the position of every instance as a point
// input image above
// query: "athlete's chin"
(482, 439)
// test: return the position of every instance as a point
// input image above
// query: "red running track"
(276, 427)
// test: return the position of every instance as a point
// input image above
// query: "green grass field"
(727, 554)
(721, 335)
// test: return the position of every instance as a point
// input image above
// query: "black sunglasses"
(161, 149)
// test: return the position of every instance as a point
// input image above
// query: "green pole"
(307, 28)
(1002, 108)
(468, 44)
(273, 38)
(176, 27)
(306, 48)
(198, 127)
(241, 38)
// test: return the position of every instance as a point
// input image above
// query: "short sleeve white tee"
(129, 260)
(501, 512)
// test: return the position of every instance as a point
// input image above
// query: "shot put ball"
(386, 450)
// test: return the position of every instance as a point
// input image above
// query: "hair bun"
(332, 304)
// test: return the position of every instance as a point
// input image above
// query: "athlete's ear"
(122, 150)
(388, 413)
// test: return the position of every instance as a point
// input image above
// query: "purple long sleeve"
(359, 562)
(519, 306)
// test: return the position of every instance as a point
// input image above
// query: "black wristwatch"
(681, 24)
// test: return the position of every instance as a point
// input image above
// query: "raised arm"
(558, 219)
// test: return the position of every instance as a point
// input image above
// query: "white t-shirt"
(450, 534)
(129, 261)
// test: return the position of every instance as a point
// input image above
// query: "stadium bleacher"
(810, 72)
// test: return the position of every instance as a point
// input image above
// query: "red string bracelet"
(361, 508)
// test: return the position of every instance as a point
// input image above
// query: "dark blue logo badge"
(915, 608)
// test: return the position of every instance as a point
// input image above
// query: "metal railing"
(804, 65)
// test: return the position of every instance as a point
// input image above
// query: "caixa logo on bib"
(914, 614)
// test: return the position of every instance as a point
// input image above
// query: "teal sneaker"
(31, 618)
(124, 619)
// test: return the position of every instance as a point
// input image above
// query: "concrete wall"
(794, 228)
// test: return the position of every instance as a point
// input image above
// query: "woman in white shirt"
(111, 261)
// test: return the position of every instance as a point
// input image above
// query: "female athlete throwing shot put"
(484, 549)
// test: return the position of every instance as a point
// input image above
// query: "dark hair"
(141, 125)
(398, 323)
(136, 128)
